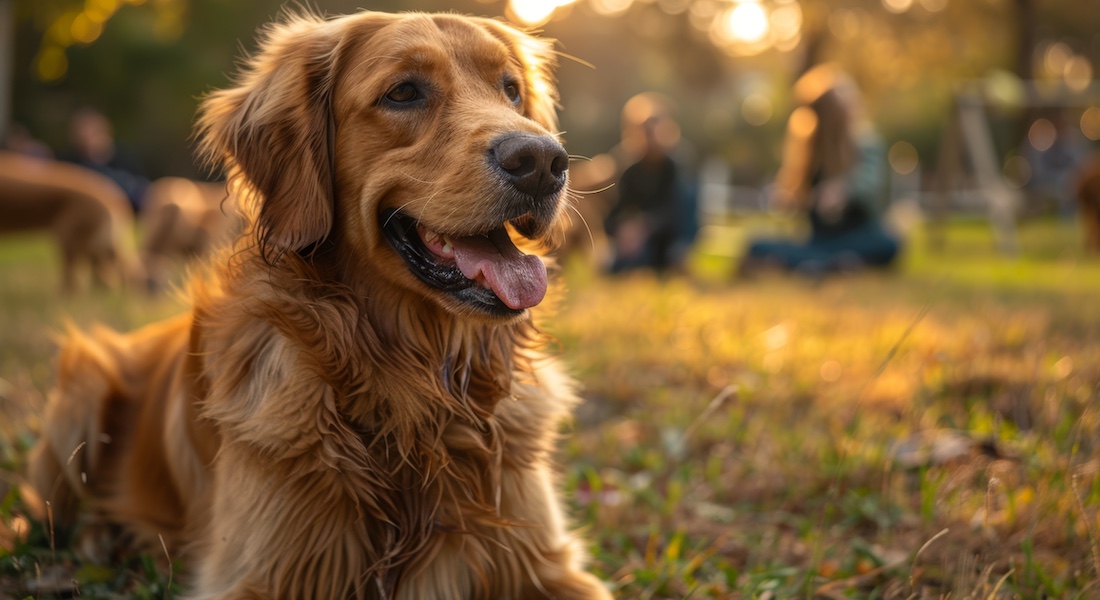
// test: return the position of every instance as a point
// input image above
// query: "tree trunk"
(7, 52)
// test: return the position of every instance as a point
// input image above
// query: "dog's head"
(422, 146)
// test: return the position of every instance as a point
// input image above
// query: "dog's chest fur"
(408, 442)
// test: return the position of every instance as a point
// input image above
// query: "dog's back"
(121, 404)
(87, 213)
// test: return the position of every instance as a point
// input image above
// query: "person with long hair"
(833, 169)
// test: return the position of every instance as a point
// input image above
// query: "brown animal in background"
(356, 405)
(1088, 196)
(87, 212)
(184, 219)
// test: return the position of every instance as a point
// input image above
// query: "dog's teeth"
(448, 247)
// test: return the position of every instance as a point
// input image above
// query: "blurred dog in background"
(87, 213)
(1088, 197)
(184, 219)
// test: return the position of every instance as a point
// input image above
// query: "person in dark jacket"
(92, 145)
(653, 223)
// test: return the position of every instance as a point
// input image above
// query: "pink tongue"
(518, 279)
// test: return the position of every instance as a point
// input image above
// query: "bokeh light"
(51, 63)
(610, 8)
(903, 157)
(85, 29)
(746, 22)
(786, 20)
(1090, 123)
(1077, 73)
(1042, 135)
(845, 24)
(897, 6)
(749, 27)
(756, 109)
(1055, 58)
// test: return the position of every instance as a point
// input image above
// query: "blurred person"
(93, 145)
(653, 222)
(834, 171)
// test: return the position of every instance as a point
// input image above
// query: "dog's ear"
(271, 132)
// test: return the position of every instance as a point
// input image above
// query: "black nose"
(534, 164)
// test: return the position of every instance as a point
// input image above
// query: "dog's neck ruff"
(405, 401)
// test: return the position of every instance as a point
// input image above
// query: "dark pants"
(868, 245)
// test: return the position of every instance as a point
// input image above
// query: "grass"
(931, 432)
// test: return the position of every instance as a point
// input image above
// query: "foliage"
(152, 59)
(903, 435)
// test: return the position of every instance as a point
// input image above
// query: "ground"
(928, 432)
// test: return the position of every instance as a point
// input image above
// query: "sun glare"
(747, 22)
(535, 12)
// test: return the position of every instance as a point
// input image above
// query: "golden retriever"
(184, 219)
(87, 213)
(356, 405)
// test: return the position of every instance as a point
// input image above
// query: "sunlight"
(747, 23)
(611, 8)
(535, 12)
(897, 6)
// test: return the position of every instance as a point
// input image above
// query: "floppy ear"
(272, 133)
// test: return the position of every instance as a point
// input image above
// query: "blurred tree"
(145, 63)
(7, 50)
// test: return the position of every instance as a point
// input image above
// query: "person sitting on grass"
(833, 169)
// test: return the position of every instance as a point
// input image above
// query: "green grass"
(767, 439)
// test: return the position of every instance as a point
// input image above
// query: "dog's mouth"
(485, 271)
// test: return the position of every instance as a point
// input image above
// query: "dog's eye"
(511, 90)
(405, 93)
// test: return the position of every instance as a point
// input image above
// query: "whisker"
(418, 180)
(580, 157)
(387, 222)
(591, 238)
(590, 192)
(427, 202)
(579, 61)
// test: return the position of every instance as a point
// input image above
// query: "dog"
(184, 219)
(356, 404)
(87, 213)
(1088, 197)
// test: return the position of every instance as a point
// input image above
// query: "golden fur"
(322, 424)
(86, 211)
